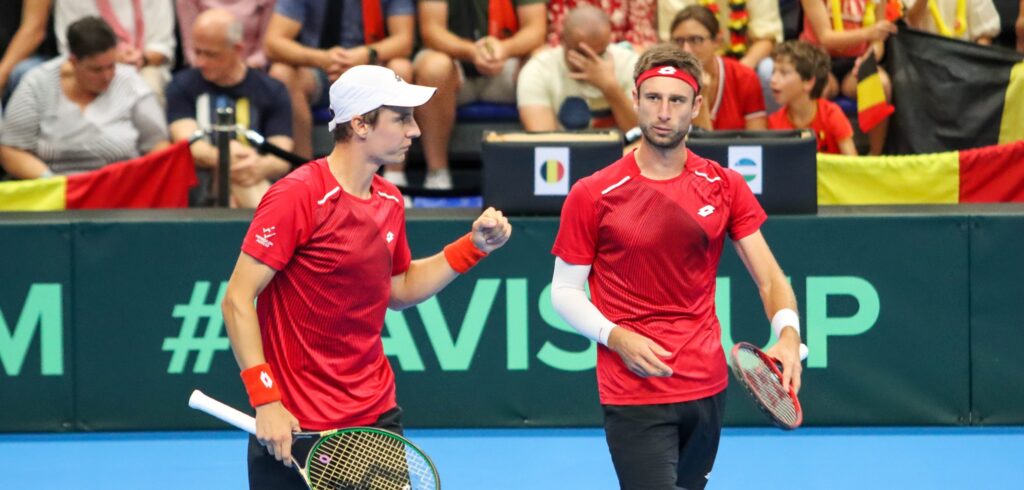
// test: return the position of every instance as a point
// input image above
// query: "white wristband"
(785, 318)
(604, 333)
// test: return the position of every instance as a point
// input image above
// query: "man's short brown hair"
(343, 132)
(668, 54)
(808, 60)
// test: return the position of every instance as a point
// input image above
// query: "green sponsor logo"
(200, 309)
(455, 353)
(42, 309)
(818, 325)
(455, 348)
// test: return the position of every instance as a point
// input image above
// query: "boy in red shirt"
(800, 74)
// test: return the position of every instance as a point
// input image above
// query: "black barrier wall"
(108, 324)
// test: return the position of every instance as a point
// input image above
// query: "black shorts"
(841, 67)
(267, 473)
(664, 447)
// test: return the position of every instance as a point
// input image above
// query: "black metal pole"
(224, 132)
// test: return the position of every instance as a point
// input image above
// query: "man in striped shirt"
(326, 255)
(78, 113)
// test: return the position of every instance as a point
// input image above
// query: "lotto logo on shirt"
(551, 171)
(747, 160)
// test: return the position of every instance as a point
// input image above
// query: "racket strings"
(767, 387)
(365, 460)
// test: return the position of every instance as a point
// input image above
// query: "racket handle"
(201, 402)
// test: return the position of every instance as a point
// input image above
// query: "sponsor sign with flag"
(748, 161)
(551, 171)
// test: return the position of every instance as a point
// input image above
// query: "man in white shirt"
(585, 66)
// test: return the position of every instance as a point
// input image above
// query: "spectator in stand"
(632, 21)
(978, 20)
(260, 102)
(144, 29)
(254, 15)
(586, 66)
(801, 72)
(81, 112)
(731, 90)
(1020, 28)
(841, 27)
(312, 42)
(750, 28)
(25, 40)
(474, 49)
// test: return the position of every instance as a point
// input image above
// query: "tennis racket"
(356, 458)
(761, 375)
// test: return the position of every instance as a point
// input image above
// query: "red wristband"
(462, 255)
(259, 383)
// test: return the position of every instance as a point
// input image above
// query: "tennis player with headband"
(326, 255)
(647, 233)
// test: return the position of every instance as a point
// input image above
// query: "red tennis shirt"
(322, 314)
(654, 247)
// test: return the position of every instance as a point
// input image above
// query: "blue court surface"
(541, 459)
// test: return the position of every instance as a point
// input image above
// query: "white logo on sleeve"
(265, 379)
(706, 211)
(264, 239)
(390, 236)
(667, 70)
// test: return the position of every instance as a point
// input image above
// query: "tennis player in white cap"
(326, 256)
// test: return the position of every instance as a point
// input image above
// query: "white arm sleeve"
(569, 299)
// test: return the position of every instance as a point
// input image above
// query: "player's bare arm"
(776, 294)
(426, 277)
(274, 424)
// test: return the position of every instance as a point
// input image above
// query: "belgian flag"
(158, 180)
(952, 95)
(872, 108)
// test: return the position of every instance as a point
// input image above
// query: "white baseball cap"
(364, 88)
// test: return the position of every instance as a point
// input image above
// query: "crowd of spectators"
(85, 83)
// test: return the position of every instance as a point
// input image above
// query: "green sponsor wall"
(36, 338)
(909, 319)
(997, 323)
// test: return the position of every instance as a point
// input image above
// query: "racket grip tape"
(200, 401)
(803, 356)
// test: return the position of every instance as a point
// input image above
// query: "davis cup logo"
(747, 160)
(551, 171)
